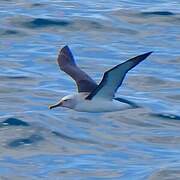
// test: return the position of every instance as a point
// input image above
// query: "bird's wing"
(113, 78)
(67, 64)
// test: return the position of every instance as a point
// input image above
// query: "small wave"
(40, 23)
(72, 139)
(25, 141)
(75, 24)
(166, 173)
(13, 122)
(37, 5)
(5, 32)
(159, 13)
(166, 116)
(2, 78)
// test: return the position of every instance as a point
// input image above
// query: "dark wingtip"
(141, 57)
(145, 55)
(65, 49)
(149, 53)
(65, 57)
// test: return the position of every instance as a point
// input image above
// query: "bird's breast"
(100, 106)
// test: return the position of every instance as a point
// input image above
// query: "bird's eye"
(65, 100)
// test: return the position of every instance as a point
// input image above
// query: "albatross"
(93, 97)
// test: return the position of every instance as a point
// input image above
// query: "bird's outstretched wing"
(67, 64)
(113, 78)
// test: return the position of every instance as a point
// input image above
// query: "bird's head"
(67, 101)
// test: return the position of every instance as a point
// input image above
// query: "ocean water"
(37, 143)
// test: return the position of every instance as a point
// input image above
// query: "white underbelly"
(100, 106)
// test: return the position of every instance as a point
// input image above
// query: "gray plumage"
(67, 64)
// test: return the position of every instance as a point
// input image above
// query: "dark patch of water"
(13, 122)
(42, 23)
(166, 116)
(159, 13)
(9, 32)
(25, 141)
(37, 5)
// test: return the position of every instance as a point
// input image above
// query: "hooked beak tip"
(54, 106)
(50, 107)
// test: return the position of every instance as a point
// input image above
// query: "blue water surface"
(38, 143)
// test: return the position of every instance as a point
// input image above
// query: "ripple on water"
(174, 98)
(19, 127)
(37, 5)
(76, 23)
(41, 22)
(11, 32)
(32, 139)
(166, 116)
(72, 139)
(159, 13)
(6, 78)
(13, 122)
(166, 173)
(73, 24)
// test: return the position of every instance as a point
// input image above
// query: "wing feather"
(67, 64)
(114, 77)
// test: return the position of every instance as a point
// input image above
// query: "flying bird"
(93, 97)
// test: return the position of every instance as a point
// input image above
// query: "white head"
(68, 101)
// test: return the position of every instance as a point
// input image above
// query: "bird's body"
(92, 97)
(98, 105)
